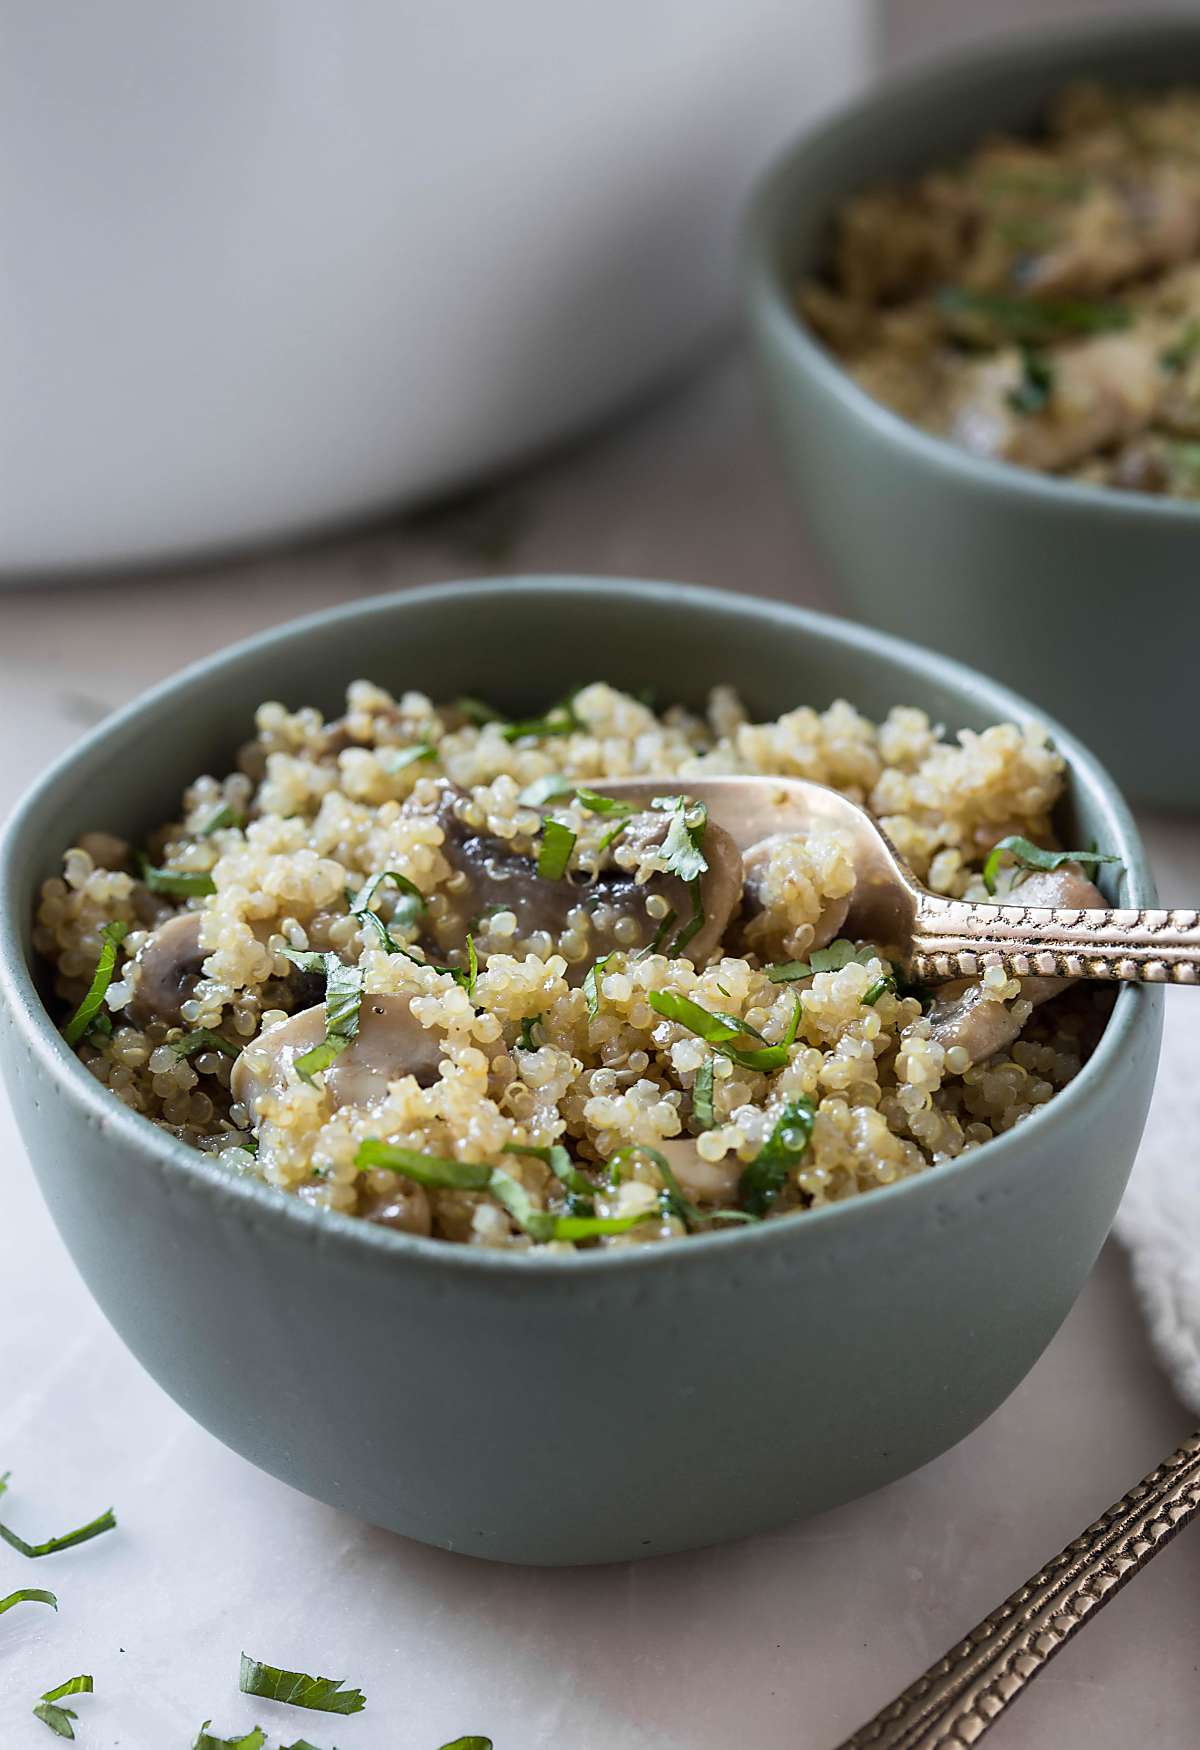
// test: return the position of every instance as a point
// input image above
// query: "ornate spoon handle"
(953, 937)
(957, 1699)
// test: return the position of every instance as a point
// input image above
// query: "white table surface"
(787, 1640)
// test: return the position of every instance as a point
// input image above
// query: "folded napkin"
(1159, 1219)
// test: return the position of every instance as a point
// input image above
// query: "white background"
(789, 1640)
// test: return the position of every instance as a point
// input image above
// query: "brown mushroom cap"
(167, 969)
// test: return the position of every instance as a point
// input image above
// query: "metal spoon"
(933, 937)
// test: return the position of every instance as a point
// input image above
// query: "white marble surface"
(790, 1639)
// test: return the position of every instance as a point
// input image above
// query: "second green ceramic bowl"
(1084, 598)
(603, 1406)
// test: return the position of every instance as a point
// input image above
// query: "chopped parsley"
(764, 1178)
(226, 815)
(409, 906)
(112, 936)
(59, 1718)
(702, 1096)
(472, 974)
(888, 982)
(558, 841)
(204, 1039)
(831, 959)
(395, 759)
(28, 1595)
(254, 1739)
(683, 847)
(545, 789)
(324, 1694)
(559, 720)
(591, 984)
(1034, 321)
(470, 1743)
(560, 1164)
(1179, 355)
(1031, 856)
(525, 1039)
(343, 1008)
(1032, 394)
(105, 1521)
(597, 804)
(180, 883)
(719, 1031)
(439, 1172)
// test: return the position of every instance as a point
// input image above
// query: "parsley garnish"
(441, 1173)
(181, 883)
(558, 720)
(409, 905)
(28, 1595)
(558, 841)
(254, 1739)
(204, 1039)
(59, 1718)
(525, 1039)
(560, 1164)
(718, 1031)
(591, 984)
(226, 815)
(682, 849)
(1178, 356)
(702, 1096)
(597, 804)
(112, 936)
(1035, 320)
(323, 1694)
(838, 954)
(1032, 394)
(766, 1175)
(887, 983)
(545, 790)
(1031, 856)
(395, 759)
(471, 1743)
(105, 1521)
(343, 1008)
(472, 969)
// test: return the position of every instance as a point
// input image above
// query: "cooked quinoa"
(1039, 301)
(518, 989)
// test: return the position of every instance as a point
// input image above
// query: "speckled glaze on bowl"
(1086, 599)
(584, 1409)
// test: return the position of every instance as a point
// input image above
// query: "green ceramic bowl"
(1087, 599)
(583, 1409)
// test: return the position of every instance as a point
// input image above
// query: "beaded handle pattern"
(957, 1699)
(953, 938)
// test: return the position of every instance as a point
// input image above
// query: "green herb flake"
(1031, 856)
(1179, 355)
(254, 1739)
(409, 906)
(112, 935)
(839, 953)
(472, 968)
(683, 847)
(477, 712)
(597, 804)
(1034, 321)
(560, 1164)
(28, 1595)
(764, 1178)
(887, 983)
(559, 720)
(545, 789)
(397, 759)
(702, 1096)
(204, 1039)
(225, 816)
(471, 1743)
(343, 1008)
(525, 1039)
(558, 841)
(322, 1694)
(105, 1521)
(1032, 394)
(718, 1031)
(59, 1718)
(591, 984)
(179, 883)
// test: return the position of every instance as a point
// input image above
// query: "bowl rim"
(767, 226)
(191, 1170)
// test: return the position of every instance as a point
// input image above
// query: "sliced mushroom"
(963, 1015)
(498, 878)
(390, 1043)
(709, 1182)
(404, 1206)
(167, 969)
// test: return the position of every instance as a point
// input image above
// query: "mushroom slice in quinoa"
(755, 860)
(497, 878)
(963, 1013)
(390, 1043)
(402, 1205)
(705, 1182)
(167, 970)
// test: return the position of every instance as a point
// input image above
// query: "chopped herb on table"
(254, 1739)
(59, 1718)
(28, 1595)
(105, 1521)
(472, 1743)
(323, 1694)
